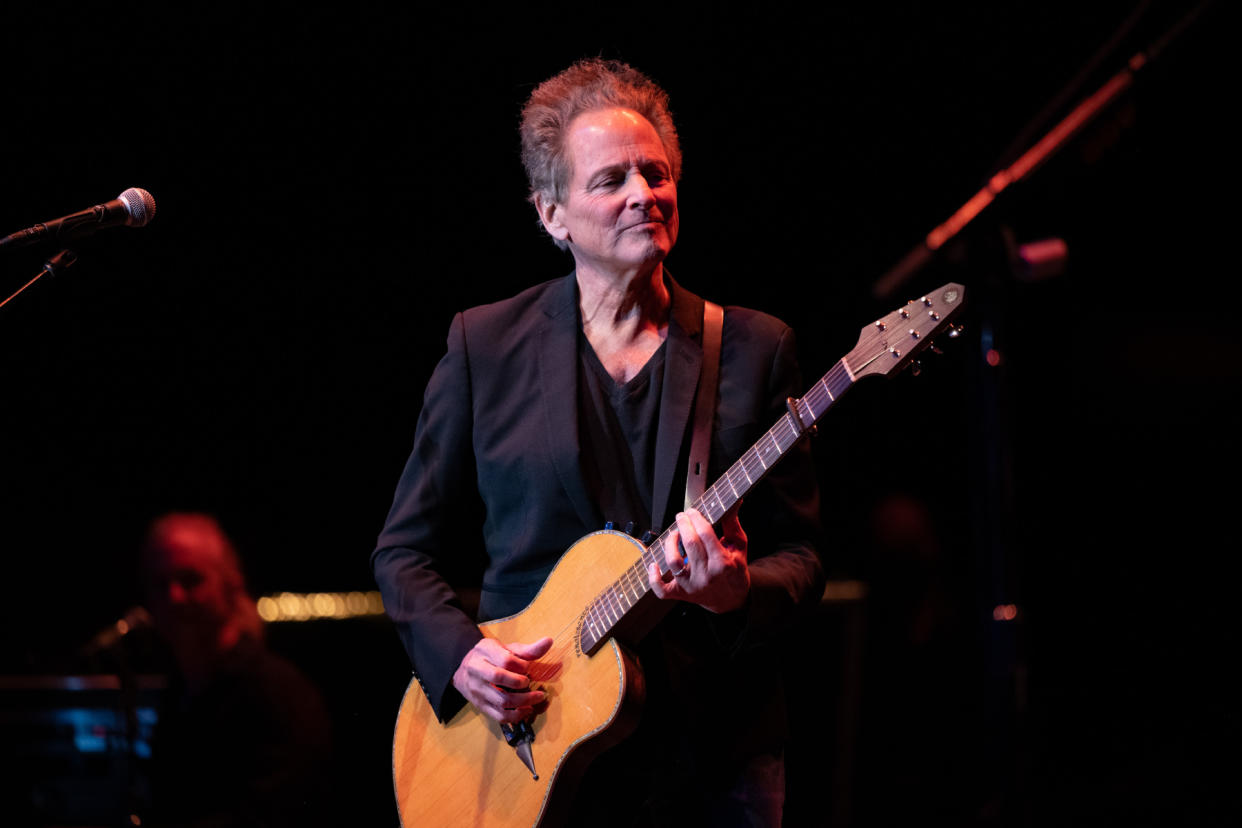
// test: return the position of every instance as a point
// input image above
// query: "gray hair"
(586, 86)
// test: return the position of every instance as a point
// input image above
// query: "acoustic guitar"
(471, 771)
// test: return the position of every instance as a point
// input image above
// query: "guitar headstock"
(890, 343)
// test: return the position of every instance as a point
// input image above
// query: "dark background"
(333, 183)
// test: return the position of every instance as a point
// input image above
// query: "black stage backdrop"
(334, 183)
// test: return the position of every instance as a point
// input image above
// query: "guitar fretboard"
(608, 608)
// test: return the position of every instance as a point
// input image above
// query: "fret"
(764, 450)
(714, 504)
(784, 426)
(824, 384)
(648, 557)
(657, 552)
(792, 432)
(808, 418)
(711, 506)
(636, 586)
(775, 445)
(844, 377)
(823, 388)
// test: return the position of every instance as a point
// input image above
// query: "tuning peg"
(955, 331)
(935, 348)
(916, 368)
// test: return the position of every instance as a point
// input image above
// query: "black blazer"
(495, 468)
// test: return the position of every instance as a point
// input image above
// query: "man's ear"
(550, 214)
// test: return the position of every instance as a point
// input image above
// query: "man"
(570, 405)
(244, 738)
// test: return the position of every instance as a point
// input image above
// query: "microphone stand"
(60, 262)
(1028, 162)
(1006, 702)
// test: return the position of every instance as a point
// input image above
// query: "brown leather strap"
(705, 403)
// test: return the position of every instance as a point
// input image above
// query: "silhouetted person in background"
(922, 733)
(244, 738)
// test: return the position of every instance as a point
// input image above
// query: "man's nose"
(176, 593)
(638, 192)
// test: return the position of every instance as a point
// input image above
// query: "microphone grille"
(139, 204)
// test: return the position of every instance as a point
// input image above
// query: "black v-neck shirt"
(618, 424)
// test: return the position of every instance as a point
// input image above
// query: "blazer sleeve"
(420, 546)
(791, 573)
(782, 520)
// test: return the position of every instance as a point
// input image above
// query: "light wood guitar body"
(464, 773)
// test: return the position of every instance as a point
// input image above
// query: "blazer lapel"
(683, 360)
(559, 375)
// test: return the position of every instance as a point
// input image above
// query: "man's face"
(190, 594)
(620, 211)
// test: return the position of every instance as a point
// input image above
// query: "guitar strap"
(705, 403)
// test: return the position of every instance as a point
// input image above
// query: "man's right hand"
(495, 678)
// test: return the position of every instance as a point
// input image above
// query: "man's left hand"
(714, 573)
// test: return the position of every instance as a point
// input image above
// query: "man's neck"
(625, 321)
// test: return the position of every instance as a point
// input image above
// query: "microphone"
(133, 208)
(135, 618)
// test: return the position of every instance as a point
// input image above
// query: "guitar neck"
(752, 466)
